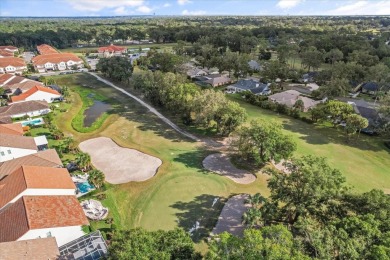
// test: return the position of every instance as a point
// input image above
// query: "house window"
(9, 151)
(2, 153)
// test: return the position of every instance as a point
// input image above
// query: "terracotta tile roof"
(111, 48)
(55, 58)
(5, 120)
(23, 142)
(13, 221)
(33, 90)
(5, 53)
(5, 77)
(16, 79)
(46, 49)
(47, 158)
(20, 108)
(33, 177)
(23, 86)
(33, 249)
(9, 47)
(12, 61)
(11, 129)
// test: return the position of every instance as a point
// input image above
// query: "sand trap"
(230, 219)
(120, 165)
(220, 163)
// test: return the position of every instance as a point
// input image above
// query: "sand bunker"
(220, 163)
(120, 165)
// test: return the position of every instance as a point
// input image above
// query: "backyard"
(183, 192)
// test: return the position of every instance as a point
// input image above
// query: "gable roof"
(23, 86)
(14, 79)
(15, 141)
(12, 61)
(11, 129)
(32, 91)
(38, 212)
(33, 177)
(260, 89)
(8, 47)
(111, 48)
(215, 79)
(5, 53)
(54, 58)
(5, 77)
(290, 97)
(46, 49)
(246, 84)
(42, 248)
(20, 108)
(370, 86)
(46, 158)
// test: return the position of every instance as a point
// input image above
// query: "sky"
(192, 7)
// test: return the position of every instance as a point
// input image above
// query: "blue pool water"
(84, 187)
(37, 121)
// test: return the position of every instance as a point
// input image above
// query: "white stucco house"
(12, 65)
(56, 61)
(14, 146)
(37, 93)
(32, 217)
(27, 108)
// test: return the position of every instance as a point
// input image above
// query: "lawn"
(181, 193)
(365, 162)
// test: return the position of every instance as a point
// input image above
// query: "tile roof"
(47, 158)
(40, 248)
(46, 49)
(11, 129)
(38, 212)
(246, 84)
(54, 58)
(111, 48)
(20, 108)
(5, 53)
(15, 141)
(16, 79)
(12, 61)
(9, 47)
(32, 91)
(5, 77)
(23, 86)
(33, 177)
(290, 97)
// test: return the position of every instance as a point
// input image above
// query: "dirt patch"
(230, 219)
(220, 163)
(120, 165)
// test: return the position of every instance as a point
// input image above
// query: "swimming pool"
(36, 121)
(84, 187)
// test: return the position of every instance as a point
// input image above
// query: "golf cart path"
(151, 109)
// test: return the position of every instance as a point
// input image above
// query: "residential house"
(46, 158)
(42, 248)
(249, 85)
(254, 65)
(370, 88)
(14, 146)
(35, 181)
(110, 51)
(4, 78)
(11, 129)
(19, 88)
(12, 65)
(33, 217)
(8, 48)
(309, 77)
(56, 61)
(214, 80)
(37, 93)
(290, 97)
(196, 72)
(4, 54)
(44, 49)
(28, 108)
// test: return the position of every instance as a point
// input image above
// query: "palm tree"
(69, 144)
(256, 201)
(97, 178)
(83, 161)
(253, 218)
(299, 105)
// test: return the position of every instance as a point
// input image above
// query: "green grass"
(365, 162)
(133, 46)
(181, 192)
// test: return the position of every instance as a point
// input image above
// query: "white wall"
(43, 192)
(41, 95)
(33, 113)
(63, 235)
(15, 153)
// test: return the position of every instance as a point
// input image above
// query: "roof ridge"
(36, 155)
(26, 213)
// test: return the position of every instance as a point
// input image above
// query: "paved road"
(151, 109)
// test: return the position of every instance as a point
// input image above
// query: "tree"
(354, 123)
(334, 55)
(83, 160)
(306, 188)
(299, 105)
(229, 116)
(116, 68)
(274, 70)
(311, 58)
(141, 244)
(337, 111)
(166, 62)
(97, 178)
(69, 144)
(264, 141)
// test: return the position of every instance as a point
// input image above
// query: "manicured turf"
(181, 193)
(365, 162)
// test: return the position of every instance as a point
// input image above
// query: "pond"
(94, 112)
